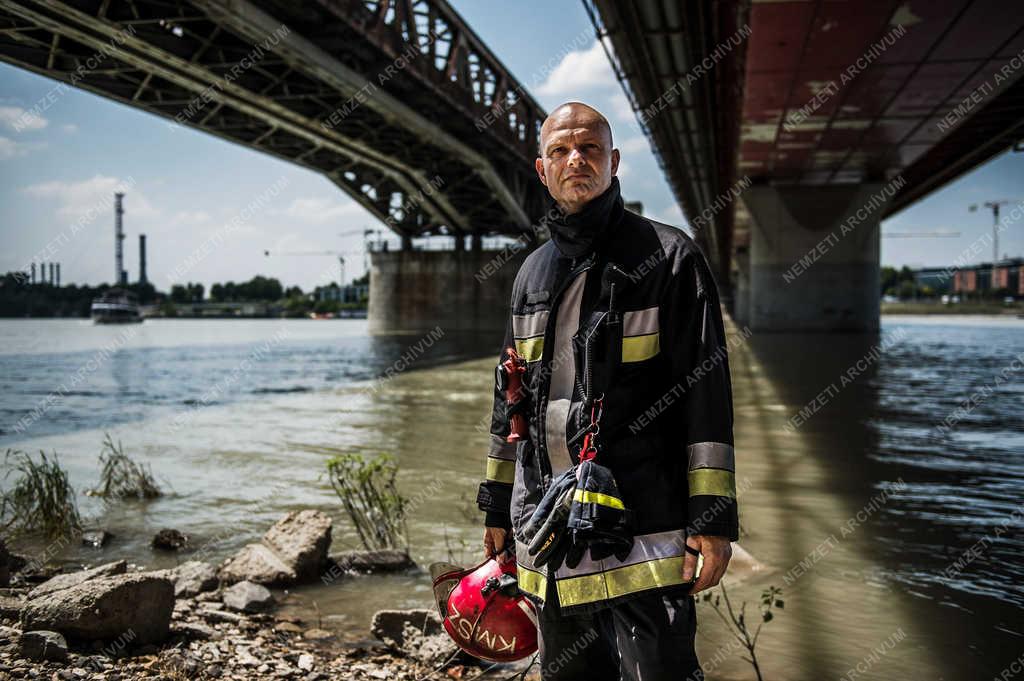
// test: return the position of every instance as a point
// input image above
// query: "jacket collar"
(580, 233)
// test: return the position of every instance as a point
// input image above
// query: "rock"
(293, 550)
(105, 608)
(384, 560)
(43, 645)
(193, 631)
(305, 662)
(10, 607)
(169, 540)
(301, 539)
(256, 563)
(70, 579)
(218, 616)
(742, 565)
(5, 565)
(193, 578)
(317, 634)
(96, 538)
(248, 597)
(415, 633)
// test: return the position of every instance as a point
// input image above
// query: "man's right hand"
(494, 542)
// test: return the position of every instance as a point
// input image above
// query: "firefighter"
(654, 360)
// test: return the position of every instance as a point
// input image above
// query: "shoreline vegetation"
(259, 297)
(936, 307)
(206, 620)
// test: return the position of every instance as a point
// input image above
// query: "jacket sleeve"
(495, 494)
(698, 354)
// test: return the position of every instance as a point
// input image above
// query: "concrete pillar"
(814, 256)
(477, 242)
(459, 291)
(406, 242)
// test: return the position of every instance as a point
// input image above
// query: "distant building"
(350, 293)
(1007, 275)
(936, 278)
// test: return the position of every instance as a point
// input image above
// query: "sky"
(190, 192)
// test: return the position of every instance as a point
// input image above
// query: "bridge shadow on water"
(806, 409)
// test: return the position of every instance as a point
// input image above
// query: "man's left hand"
(716, 551)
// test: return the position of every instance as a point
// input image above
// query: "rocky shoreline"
(198, 621)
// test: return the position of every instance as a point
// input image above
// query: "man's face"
(577, 162)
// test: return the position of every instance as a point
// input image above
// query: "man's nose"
(576, 158)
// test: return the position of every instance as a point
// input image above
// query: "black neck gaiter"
(580, 233)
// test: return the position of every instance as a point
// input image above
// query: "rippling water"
(237, 418)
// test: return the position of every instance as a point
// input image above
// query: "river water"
(882, 477)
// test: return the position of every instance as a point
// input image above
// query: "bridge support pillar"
(814, 257)
(459, 291)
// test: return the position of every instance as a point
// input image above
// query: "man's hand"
(494, 542)
(716, 551)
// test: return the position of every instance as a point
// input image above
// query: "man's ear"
(615, 161)
(539, 165)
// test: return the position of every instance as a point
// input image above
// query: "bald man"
(618, 320)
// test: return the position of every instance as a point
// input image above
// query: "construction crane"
(994, 205)
(338, 254)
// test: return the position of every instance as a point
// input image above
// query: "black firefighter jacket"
(666, 428)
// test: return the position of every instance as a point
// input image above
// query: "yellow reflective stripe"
(531, 582)
(620, 581)
(639, 348)
(501, 470)
(530, 349)
(587, 497)
(714, 481)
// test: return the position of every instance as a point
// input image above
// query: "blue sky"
(185, 186)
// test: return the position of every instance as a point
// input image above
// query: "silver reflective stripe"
(645, 547)
(640, 322)
(529, 325)
(712, 455)
(500, 449)
(563, 376)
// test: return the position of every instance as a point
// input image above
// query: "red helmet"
(483, 610)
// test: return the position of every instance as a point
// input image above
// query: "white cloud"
(10, 148)
(74, 199)
(190, 217)
(633, 145)
(18, 119)
(586, 75)
(579, 70)
(319, 209)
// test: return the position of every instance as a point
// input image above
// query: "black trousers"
(649, 638)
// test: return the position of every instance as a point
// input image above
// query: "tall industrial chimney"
(120, 276)
(142, 258)
(33, 273)
(58, 275)
(51, 274)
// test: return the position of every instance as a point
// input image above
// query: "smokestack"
(58, 275)
(33, 273)
(119, 274)
(142, 258)
(51, 274)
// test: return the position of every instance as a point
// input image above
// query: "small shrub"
(41, 500)
(737, 624)
(121, 477)
(368, 492)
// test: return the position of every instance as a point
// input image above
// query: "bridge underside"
(399, 104)
(814, 104)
